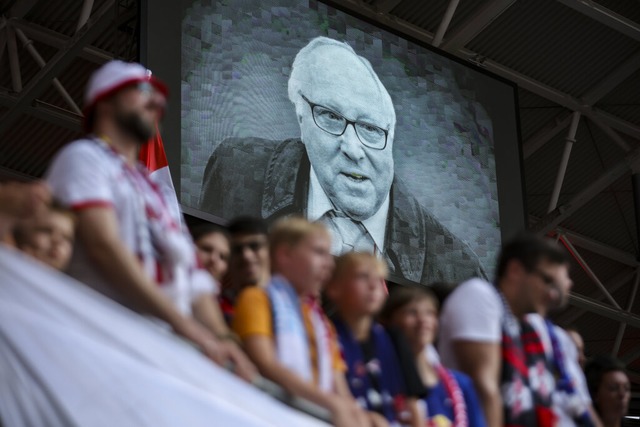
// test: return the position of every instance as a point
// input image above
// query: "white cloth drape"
(71, 357)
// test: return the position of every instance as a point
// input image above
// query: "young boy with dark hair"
(374, 371)
(283, 328)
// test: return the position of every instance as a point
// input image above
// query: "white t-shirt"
(564, 405)
(473, 312)
(88, 173)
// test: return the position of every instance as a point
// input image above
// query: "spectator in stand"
(610, 389)
(20, 201)
(374, 372)
(571, 400)
(283, 328)
(48, 236)
(579, 343)
(482, 333)
(249, 263)
(212, 243)
(130, 245)
(451, 398)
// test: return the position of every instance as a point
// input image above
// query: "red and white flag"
(153, 156)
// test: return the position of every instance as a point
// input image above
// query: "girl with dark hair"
(610, 389)
(451, 399)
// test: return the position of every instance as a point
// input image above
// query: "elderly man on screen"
(340, 171)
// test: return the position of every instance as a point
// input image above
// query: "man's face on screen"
(346, 123)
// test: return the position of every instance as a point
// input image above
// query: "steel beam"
(46, 112)
(555, 217)
(474, 25)
(525, 82)
(613, 79)
(85, 12)
(7, 174)
(606, 85)
(589, 272)
(21, 8)
(14, 60)
(386, 6)
(552, 94)
(28, 44)
(597, 92)
(444, 23)
(3, 41)
(96, 24)
(599, 248)
(604, 310)
(613, 285)
(605, 16)
(623, 326)
(545, 134)
(57, 40)
(615, 137)
(564, 161)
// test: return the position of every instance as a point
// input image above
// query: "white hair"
(302, 60)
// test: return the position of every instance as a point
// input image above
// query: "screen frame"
(161, 44)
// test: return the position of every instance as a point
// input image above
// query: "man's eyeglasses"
(336, 124)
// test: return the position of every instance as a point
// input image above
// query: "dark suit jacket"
(270, 179)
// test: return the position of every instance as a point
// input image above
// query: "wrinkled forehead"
(333, 74)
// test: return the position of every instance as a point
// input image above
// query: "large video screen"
(293, 107)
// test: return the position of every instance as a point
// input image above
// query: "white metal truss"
(596, 93)
(562, 212)
(444, 23)
(474, 26)
(584, 106)
(44, 35)
(605, 16)
(96, 24)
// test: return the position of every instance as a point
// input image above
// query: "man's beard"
(132, 124)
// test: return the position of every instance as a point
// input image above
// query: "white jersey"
(473, 312)
(89, 173)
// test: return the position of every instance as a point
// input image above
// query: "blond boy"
(283, 329)
(374, 374)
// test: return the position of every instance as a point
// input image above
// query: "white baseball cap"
(113, 76)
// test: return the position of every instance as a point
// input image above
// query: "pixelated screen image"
(389, 143)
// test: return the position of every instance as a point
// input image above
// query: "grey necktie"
(347, 234)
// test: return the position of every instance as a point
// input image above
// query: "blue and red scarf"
(376, 384)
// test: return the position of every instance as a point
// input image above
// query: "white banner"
(71, 357)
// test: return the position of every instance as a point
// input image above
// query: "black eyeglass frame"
(348, 122)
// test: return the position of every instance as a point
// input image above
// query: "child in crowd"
(283, 328)
(451, 400)
(212, 243)
(48, 236)
(374, 375)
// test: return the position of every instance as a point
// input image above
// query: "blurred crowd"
(269, 300)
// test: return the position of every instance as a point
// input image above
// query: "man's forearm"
(125, 275)
(207, 311)
(491, 401)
